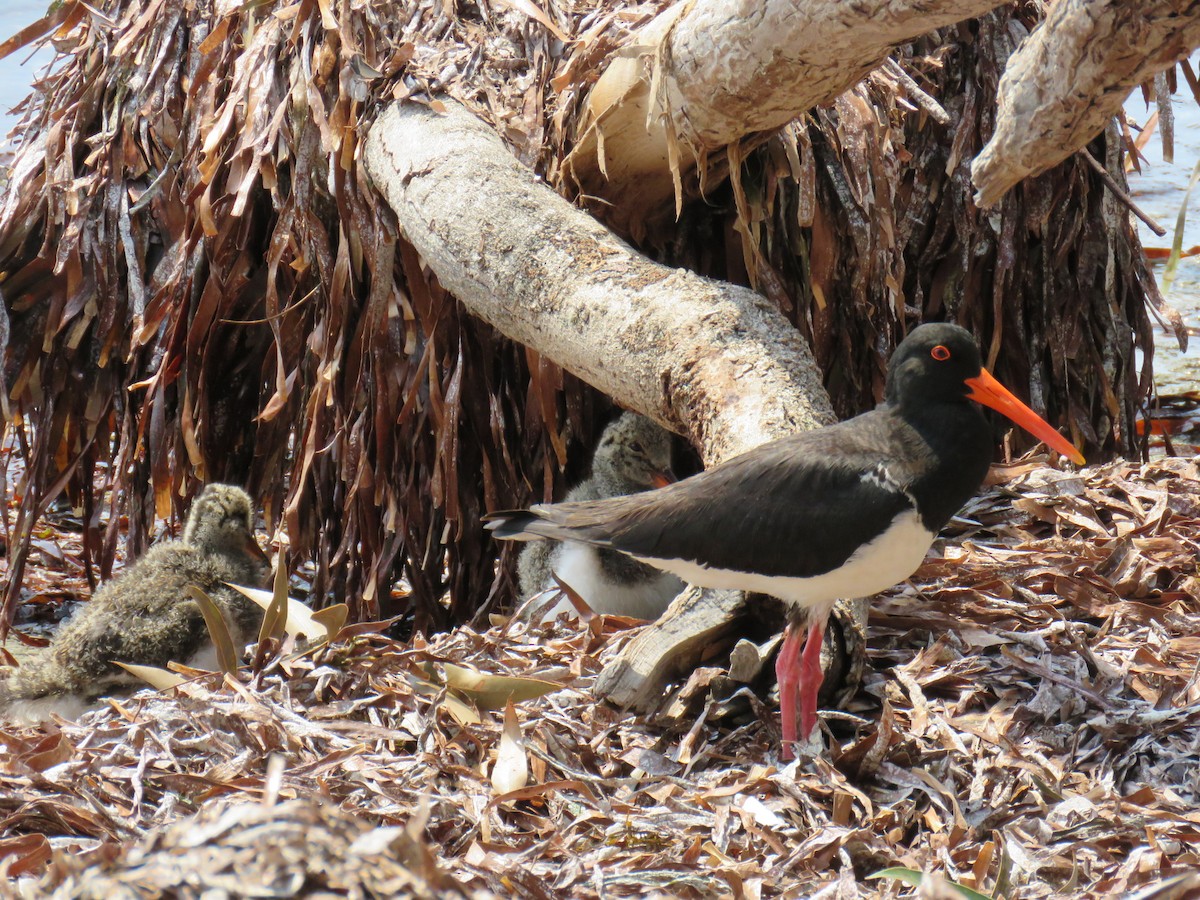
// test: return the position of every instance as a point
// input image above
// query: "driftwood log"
(704, 75)
(713, 361)
(1071, 76)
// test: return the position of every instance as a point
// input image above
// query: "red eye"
(940, 353)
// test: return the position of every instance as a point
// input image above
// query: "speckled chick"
(634, 454)
(145, 616)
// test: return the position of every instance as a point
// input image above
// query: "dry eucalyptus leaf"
(510, 772)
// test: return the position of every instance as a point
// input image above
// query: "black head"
(939, 363)
(932, 365)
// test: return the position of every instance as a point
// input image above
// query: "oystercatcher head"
(843, 511)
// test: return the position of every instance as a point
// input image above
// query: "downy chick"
(145, 616)
(634, 454)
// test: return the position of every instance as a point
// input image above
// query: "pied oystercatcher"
(843, 511)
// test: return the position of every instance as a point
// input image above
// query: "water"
(18, 69)
(1159, 190)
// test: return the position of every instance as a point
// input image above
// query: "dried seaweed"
(201, 287)
(1031, 715)
(201, 284)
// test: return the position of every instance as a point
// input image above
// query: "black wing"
(795, 507)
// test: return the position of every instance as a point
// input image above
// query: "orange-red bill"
(662, 479)
(987, 390)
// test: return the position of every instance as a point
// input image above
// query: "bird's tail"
(515, 525)
(42, 686)
(38, 677)
(553, 522)
(21, 687)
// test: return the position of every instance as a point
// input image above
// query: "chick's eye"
(636, 447)
(941, 353)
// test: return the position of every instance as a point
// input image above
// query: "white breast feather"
(577, 565)
(874, 567)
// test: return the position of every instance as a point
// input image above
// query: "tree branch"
(1070, 76)
(714, 361)
(707, 74)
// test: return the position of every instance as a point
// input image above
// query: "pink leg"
(811, 676)
(798, 670)
(787, 672)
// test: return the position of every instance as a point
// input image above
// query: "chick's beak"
(991, 393)
(663, 478)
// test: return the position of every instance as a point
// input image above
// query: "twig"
(1112, 185)
(915, 94)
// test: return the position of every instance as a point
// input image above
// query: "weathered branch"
(1071, 76)
(696, 621)
(711, 360)
(708, 73)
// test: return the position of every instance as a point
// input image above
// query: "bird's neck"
(235, 557)
(959, 439)
(610, 484)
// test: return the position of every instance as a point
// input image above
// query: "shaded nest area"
(1029, 725)
(200, 283)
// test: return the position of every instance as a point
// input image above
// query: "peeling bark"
(1071, 76)
(710, 360)
(710, 73)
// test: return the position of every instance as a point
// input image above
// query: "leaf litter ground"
(1029, 725)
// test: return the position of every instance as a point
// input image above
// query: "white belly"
(577, 565)
(874, 567)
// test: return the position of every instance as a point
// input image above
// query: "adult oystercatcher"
(633, 455)
(145, 615)
(843, 511)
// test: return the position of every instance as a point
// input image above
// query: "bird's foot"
(804, 748)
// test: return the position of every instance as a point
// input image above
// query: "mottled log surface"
(1071, 76)
(716, 362)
